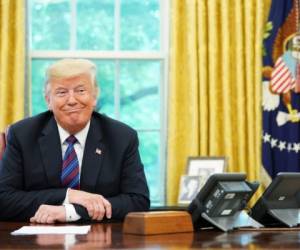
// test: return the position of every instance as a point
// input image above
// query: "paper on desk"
(29, 230)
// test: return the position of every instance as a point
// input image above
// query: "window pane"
(106, 79)
(38, 69)
(149, 149)
(140, 26)
(50, 24)
(95, 29)
(140, 103)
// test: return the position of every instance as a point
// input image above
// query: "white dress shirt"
(81, 136)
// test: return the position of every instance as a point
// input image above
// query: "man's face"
(72, 101)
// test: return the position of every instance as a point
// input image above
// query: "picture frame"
(189, 188)
(198, 170)
(205, 166)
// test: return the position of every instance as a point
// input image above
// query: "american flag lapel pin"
(98, 151)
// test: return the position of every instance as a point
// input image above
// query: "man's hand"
(48, 214)
(96, 205)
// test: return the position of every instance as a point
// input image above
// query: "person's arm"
(16, 203)
(95, 205)
(71, 214)
(21, 205)
(134, 193)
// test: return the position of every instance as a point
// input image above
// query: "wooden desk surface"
(111, 236)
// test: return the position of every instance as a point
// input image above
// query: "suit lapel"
(92, 157)
(51, 153)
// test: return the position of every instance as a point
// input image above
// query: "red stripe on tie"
(70, 164)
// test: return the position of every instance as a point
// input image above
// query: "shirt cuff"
(71, 214)
(66, 201)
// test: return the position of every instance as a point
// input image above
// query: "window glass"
(95, 30)
(149, 150)
(38, 67)
(140, 25)
(139, 82)
(50, 24)
(106, 81)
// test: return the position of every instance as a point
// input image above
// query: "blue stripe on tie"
(71, 164)
(68, 152)
(74, 182)
(71, 167)
(68, 170)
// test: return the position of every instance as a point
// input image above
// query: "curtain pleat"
(215, 85)
(12, 61)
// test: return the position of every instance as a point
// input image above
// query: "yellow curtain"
(12, 61)
(215, 85)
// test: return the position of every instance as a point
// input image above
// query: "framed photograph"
(189, 188)
(205, 166)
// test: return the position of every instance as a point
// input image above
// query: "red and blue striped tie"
(70, 169)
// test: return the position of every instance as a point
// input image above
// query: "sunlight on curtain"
(12, 61)
(215, 85)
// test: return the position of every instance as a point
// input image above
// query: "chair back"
(3, 140)
(2, 143)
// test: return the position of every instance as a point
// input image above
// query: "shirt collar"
(80, 136)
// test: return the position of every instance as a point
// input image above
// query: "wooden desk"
(111, 236)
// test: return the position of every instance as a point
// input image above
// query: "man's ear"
(96, 95)
(47, 96)
(95, 102)
(48, 101)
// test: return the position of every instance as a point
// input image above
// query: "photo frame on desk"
(189, 188)
(206, 166)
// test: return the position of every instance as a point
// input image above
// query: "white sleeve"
(71, 214)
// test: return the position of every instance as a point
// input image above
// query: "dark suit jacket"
(31, 167)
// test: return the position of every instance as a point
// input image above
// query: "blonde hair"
(66, 68)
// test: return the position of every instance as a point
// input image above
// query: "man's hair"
(66, 68)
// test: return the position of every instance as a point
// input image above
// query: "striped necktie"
(70, 169)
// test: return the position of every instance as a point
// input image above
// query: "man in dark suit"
(71, 163)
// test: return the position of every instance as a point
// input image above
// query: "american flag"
(280, 148)
(282, 80)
